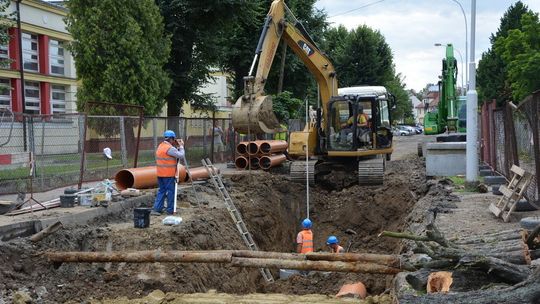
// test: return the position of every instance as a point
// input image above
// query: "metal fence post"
(154, 133)
(204, 138)
(32, 144)
(123, 142)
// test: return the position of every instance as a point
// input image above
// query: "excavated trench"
(272, 207)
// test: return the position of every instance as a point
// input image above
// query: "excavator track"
(297, 171)
(371, 171)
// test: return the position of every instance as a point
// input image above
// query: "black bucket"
(67, 201)
(141, 217)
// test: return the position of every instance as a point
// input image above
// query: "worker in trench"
(333, 243)
(304, 239)
(167, 155)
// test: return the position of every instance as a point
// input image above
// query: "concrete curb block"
(495, 180)
(27, 228)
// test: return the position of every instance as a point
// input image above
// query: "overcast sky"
(412, 27)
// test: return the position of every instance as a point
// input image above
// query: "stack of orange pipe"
(263, 154)
(146, 177)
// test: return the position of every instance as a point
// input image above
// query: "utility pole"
(472, 110)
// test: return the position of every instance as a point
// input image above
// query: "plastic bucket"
(67, 201)
(141, 217)
(85, 199)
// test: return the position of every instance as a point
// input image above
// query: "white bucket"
(85, 199)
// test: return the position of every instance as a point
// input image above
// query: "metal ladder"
(235, 214)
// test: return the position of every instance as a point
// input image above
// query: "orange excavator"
(336, 137)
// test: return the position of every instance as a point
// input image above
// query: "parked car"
(409, 129)
(419, 129)
(399, 131)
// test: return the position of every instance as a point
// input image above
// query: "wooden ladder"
(512, 193)
(234, 212)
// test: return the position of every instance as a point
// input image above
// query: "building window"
(58, 99)
(56, 53)
(30, 52)
(5, 93)
(31, 96)
(4, 52)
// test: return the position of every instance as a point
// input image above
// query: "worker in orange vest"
(333, 243)
(304, 239)
(167, 155)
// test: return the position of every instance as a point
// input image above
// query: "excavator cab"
(359, 119)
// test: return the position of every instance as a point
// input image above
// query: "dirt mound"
(272, 207)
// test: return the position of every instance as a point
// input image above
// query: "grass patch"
(460, 184)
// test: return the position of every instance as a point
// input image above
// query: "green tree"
(364, 58)
(492, 74)
(245, 35)
(119, 49)
(286, 107)
(520, 50)
(403, 108)
(200, 31)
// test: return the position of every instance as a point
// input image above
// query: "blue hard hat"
(307, 223)
(332, 240)
(169, 133)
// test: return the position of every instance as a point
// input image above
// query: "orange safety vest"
(338, 249)
(307, 241)
(165, 164)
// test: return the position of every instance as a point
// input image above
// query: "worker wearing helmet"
(304, 239)
(333, 243)
(361, 124)
(167, 155)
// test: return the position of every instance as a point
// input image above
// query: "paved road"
(406, 147)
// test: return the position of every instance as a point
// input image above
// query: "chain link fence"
(50, 142)
(68, 149)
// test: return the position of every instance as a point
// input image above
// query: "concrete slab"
(445, 159)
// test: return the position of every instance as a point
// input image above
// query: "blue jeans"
(166, 188)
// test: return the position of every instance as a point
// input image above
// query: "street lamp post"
(466, 42)
(472, 110)
(463, 89)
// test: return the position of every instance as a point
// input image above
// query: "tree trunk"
(525, 292)
(314, 265)
(45, 232)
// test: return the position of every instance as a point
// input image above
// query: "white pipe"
(472, 112)
(307, 161)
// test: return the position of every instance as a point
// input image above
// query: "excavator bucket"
(254, 116)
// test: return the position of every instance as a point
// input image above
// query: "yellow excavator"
(351, 131)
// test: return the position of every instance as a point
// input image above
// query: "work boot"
(153, 212)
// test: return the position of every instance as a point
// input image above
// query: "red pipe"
(241, 162)
(254, 146)
(241, 148)
(273, 146)
(254, 163)
(146, 177)
(266, 162)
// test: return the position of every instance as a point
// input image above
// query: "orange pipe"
(241, 148)
(267, 162)
(241, 162)
(146, 177)
(198, 173)
(273, 146)
(254, 163)
(254, 146)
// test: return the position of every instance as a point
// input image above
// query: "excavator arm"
(253, 111)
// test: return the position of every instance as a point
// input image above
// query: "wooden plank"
(507, 192)
(517, 170)
(496, 211)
